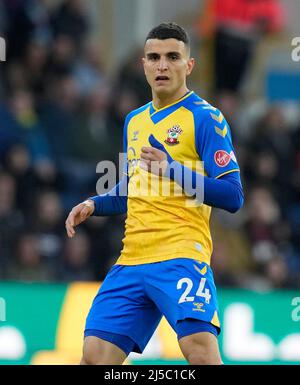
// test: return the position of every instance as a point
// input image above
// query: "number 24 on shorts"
(201, 292)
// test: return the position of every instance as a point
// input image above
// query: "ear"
(190, 66)
(143, 60)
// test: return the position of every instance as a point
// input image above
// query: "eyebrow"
(150, 54)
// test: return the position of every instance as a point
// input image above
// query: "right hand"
(79, 214)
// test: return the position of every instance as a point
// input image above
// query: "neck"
(161, 101)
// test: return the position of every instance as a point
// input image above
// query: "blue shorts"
(132, 300)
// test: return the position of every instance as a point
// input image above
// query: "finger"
(70, 229)
(146, 149)
(69, 226)
(146, 162)
(147, 156)
(70, 234)
(71, 218)
(145, 165)
(67, 223)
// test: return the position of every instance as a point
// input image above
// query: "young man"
(164, 265)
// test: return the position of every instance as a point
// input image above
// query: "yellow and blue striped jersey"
(163, 226)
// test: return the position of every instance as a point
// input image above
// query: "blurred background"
(72, 73)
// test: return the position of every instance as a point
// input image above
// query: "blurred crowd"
(60, 114)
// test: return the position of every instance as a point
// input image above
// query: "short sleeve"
(214, 143)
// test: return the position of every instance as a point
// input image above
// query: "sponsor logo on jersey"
(222, 158)
(134, 137)
(198, 306)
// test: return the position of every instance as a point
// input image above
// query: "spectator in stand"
(88, 70)
(70, 19)
(271, 149)
(11, 219)
(34, 67)
(58, 115)
(25, 19)
(32, 134)
(236, 26)
(75, 263)
(131, 77)
(48, 223)
(28, 265)
(263, 216)
(268, 233)
(122, 103)
(277, 274)
(28, 126)
(18, 164)
(9, 130)
(93, 129)
(295, 173)
(62, 59)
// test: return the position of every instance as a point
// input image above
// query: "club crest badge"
(173, 134)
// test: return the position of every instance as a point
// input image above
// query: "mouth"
(162, 78)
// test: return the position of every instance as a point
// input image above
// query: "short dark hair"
(169, 31)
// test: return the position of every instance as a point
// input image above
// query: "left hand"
(154, 159)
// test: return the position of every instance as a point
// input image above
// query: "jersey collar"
(157, 115)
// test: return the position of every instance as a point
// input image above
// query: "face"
(166, 65)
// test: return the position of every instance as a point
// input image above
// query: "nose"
(163, 64)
